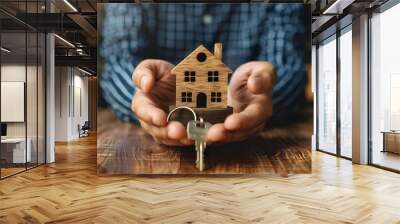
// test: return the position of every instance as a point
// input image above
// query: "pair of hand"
(249, 93)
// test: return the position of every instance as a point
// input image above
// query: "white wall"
(61, 103)
(71, 102)
(10, 73)
(16, 73)
(80, 111)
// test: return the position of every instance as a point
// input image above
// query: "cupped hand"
(155, 92)
(250, 95)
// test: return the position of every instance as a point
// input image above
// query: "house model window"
(190, 76)
(213, 76)
(215, 96)
(201, 57)
(186, 97)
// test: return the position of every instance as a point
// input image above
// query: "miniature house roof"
(212, 61)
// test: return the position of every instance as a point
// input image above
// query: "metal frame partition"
(363, 150)
(318, 89)
(347, 27)
(36, 63)
(339, 28)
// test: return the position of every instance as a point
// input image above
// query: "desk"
(13, 150)
(391, 141)
(123, 148)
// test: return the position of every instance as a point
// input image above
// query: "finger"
(176, 131)
(240, 77)
(253, 115)
(159, 133)
(186, 141)
(260, 82)
(243, 134)
(147, 111)
(217, 133)
(148, 71)
(144, 79)
(144, 76)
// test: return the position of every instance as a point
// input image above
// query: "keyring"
(181, 107)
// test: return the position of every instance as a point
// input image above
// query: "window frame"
(186, 97)
(216, 97)
(332, 37)
(39, 47)
(380, 9)
(189, 76)
(213, 76)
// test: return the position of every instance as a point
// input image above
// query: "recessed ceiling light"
(70, 5)
(84, 71)
(337, 7)
(65, 41)
(5, 50)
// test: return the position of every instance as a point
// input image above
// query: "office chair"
(84, 130)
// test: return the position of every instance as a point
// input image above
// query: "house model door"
(201, 100)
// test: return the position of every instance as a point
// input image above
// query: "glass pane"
(327, 96)
(41, 98)
(32, 88)
(13, 86)
(31, 98)
(385, 84)
(345, 94)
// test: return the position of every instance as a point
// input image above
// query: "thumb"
(148, 71)
(257, 83)
(144, 78)
(147, 81)
(260, 82)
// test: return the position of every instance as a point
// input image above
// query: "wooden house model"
(202, 79)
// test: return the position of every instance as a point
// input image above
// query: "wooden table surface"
(123, 148)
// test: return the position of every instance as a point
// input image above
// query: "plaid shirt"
(256, 31)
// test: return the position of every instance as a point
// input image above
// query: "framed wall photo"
(12, 101)
(176, 115)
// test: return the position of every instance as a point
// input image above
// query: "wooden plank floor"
(70, 191)
(124, 148)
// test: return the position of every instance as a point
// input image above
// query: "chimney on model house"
(218, 50)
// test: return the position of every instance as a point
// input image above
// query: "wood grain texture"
(201, 85)
(70, 191)
(124, 148)
(10, 169)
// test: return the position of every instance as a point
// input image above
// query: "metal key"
(197, 131)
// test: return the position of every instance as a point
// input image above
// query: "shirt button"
(207, 19)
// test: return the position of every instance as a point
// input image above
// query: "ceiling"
(72, 20)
